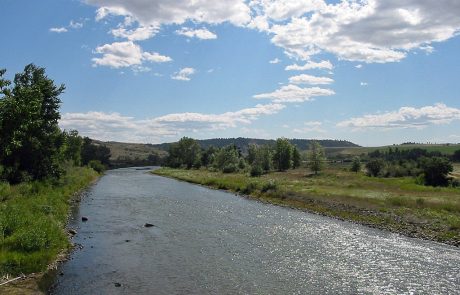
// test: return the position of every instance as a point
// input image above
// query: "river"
(211, 242)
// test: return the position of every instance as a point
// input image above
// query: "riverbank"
(32, 226)
(395, 204)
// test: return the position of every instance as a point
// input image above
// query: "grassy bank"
(396, 204)
(32, 220)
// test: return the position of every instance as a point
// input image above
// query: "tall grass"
(32, 220)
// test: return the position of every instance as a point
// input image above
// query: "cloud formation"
(324, 64)
(183, 74)
(58, 30)
(373, 31)
(308, 79)
(114, 126)
(405, 117)
(125, 54)
(294, 93)
(202, 33)
(175, 12)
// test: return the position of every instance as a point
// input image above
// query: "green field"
(395, 204)
(32, 220)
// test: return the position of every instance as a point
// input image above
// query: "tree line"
(259, 159)
(32, 146)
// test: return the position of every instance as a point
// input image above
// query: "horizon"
(374, 73)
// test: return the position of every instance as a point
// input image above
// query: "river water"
(211, 242)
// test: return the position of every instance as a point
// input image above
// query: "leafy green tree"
(186, 152)
(295, 158)
(252, 153)
(316, 157)
(356, 165)
(374, 167)
(92, 151)
(435, 170)
(227, 159)
(72, 146)
(31, 140)
(456, 156)
(207, 156)
(282, 158)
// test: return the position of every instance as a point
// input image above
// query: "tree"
(435, 170)
(356, 165)
(295, 158)
(186, 152)
(374, 167)
(456, 156)
(227, 159)
(316, 157)
(262, 161)
(282, 158)
(31, 140)
(72, 147)
(91, 151)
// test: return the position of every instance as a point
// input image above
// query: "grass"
(32, 220)
(396, 204)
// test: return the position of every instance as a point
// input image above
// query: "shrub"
(271, 185)
(249, 188)
(97, 166)
(374, 167)
(230, 168)
(435, 170)
(256, 170)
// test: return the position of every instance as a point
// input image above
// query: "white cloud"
(293, 93)
(284, 9)
(359, 66)
(202, 33)
(363, 83)
(406, 117)
(137, 34)
(308, 79)
(373, 31)
(75, 25)
(184, 74)
(114, 126)
(175, 12)
(125, 54)
(324, 64)
(275, 61)
(58, 30)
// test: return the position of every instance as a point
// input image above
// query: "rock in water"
(83, 218)
(148, 225)
(72, 232)
(117, 285)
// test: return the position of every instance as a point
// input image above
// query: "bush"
(256, 170)
(230, 168)
(271, 185)
(435, 170)
(374, 167)
(97, 166)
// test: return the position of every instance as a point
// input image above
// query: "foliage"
(456, 156)
(207, 156)
(30, 136)
(227, 159)
(97, 166)
(282, 157)
(32, 216)
(295, 158)
(435, 170)
(72, 147)
(91, 151)
(186, 152)
(374, 167)
(356, 165)
(316, 157)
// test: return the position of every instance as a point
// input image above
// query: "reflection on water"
(210, 242)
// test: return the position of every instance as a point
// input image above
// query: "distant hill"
(243, 143)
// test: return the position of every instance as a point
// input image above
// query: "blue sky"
(372, 72)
